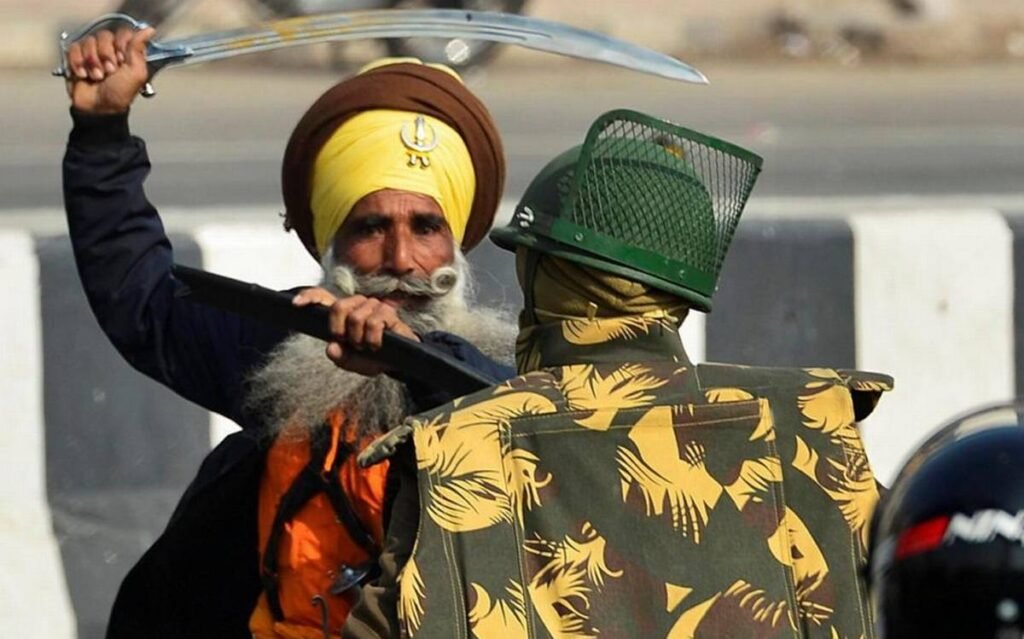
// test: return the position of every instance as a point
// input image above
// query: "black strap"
(343, 508)
(529, 281)
(309, 483)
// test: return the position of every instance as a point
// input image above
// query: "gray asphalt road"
(216, 134)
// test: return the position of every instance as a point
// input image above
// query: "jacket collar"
(633, 338)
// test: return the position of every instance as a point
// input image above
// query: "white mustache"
(432, 297)
(345, 281)
(437, 284)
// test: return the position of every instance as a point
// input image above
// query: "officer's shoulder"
(865, 387)
(715, 374)
(533, 393)
(541, 383)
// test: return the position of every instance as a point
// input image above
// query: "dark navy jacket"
(200, 578)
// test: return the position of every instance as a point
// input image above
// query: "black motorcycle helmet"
(947, 543)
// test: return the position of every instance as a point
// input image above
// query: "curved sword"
(528, 32)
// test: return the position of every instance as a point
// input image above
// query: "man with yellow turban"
(387, 180)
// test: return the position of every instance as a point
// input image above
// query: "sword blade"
(524, 31)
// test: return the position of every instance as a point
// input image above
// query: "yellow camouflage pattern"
(620, 491)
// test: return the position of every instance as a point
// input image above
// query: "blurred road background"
(844, 99)
(216, 134)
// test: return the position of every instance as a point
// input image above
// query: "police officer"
(615, 488)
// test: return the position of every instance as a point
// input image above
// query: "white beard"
(298, 386)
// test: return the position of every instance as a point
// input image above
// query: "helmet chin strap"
(532, 258)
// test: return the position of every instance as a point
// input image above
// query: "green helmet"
(641, 198)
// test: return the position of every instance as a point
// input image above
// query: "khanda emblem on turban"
(419, 139)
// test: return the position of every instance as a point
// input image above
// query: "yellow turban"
(386, 149)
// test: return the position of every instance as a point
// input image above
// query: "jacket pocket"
(654, 520)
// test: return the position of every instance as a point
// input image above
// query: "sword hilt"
(157, 55)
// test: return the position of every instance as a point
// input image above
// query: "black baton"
(428, 366)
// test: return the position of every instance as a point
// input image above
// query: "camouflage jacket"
(620, 491)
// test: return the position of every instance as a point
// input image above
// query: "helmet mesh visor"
(663, 188)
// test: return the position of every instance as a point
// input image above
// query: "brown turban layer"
(405, 87)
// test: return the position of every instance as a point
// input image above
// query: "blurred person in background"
(614, 488)
(386, 179)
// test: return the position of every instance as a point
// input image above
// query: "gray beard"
(298, 386)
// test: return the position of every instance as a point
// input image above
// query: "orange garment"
(314, 544)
